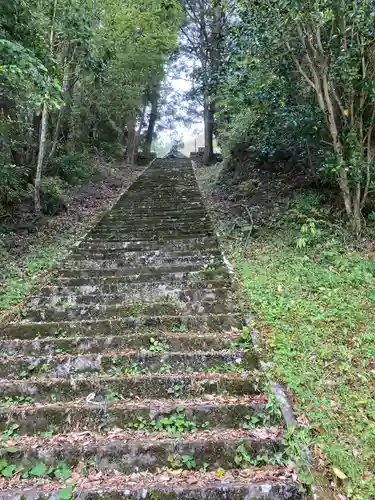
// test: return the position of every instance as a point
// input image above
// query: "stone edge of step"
(191, 485)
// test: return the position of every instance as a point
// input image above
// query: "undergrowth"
(314, 300)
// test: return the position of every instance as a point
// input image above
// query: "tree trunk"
(152, 121)
(43, 132)
(41, 152)
(139, 131)
(130, 150)
(62, 128)
(356, 217)
(208, 133)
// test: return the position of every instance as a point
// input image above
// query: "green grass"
(315, 307)
(19, 281)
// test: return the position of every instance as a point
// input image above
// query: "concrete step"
(127, 363)
(130, 296)
(270, 483)
(147, 255)
(197, 210)
(101, 388)
(126, 451)
(149, 271)
(134, 286)
(164, 307)
(137, 234)
(160, 237)
(206, 244)
(109, 343)
(129, 261)
(183, 415)
(183, 273)
(123, 326)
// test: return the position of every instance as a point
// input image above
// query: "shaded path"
(128, 361)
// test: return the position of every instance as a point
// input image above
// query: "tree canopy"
(76, 76)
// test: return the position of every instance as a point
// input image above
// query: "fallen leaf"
(339, 473)
(220, 472)
(176, 472)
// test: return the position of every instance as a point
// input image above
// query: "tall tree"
(154, 98)
(202, 37)
(74, 74)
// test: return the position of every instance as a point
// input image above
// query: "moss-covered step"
(131, 296)
(101, 388)
(126, 261)
(135, 286)
(176, 341)
(128, 362)
(174, 416)
(123, 326)
(265, 484)
(127, 451)
(150, 236)
(208, 243)
(70, 312)
(152, 274)
(146, 225)
(156, 220)
(170, 211)
(146, 255)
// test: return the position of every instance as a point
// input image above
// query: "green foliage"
(317, 308)
(91, 66)
(61, 471)
(53, 195)
(19, 400)
(10, 432)
(297, 88)
(182, 462)
(245, 459)
(73, 168)
(157, 346)
(175, 423)
(13, 184)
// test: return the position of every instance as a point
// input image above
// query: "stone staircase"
(128, 375)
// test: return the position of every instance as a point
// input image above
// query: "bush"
(13, 185)
(53, 195)
(73, 168)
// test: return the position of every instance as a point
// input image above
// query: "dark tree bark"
(131, 140)
(152, 120)
(209, 123)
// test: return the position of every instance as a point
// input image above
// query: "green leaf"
(63, 472)
(39, 470)
(3, 463)
(12, 449)
(9, 471)
(66, 493)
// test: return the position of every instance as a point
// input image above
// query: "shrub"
(13, 185)
(53, 195)
(73, 168)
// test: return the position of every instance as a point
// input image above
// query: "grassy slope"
(315, 310)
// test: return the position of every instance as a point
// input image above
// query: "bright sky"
(187, 132)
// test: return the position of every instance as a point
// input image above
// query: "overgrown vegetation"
(313, 294)
(311, 290)
(76, 79)
(290, 82)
